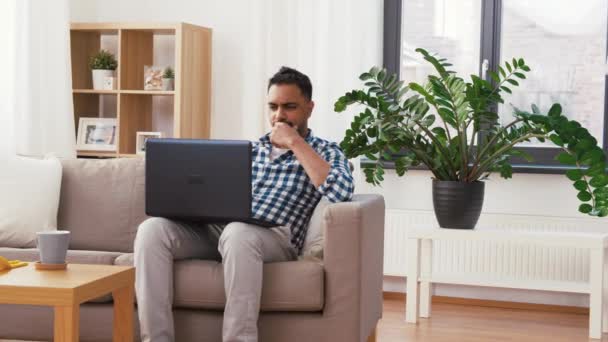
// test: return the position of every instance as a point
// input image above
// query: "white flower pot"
(99, 76)
(167, 84)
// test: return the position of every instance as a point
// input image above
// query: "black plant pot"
(457, 204)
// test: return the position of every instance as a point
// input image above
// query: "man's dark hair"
(287, 75)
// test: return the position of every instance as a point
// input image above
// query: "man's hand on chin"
(283, 135)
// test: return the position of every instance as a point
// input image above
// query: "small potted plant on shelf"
(168, 78)
(102, 65)
(436, 125)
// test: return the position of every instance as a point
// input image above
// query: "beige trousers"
(243, 249)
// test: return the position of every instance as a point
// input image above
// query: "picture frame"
(97, 134)
(141, 138)
(153, 77)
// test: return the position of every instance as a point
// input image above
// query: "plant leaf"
(599, 181)
(556, 139)
(566, 158)
(502, 72)
(584, 196)
(555, 110)
(574, 175)
(365, 76)
(506, 89)
(580, 185)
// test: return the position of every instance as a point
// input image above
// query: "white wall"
(239, 51)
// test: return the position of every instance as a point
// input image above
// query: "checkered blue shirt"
(282, 191)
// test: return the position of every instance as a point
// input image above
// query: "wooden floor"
(467, 323)
(453, 322)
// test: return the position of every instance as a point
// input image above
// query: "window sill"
(517, 168)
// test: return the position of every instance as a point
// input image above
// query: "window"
(565, 43)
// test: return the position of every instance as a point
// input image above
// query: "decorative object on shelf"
(96, 134)
(109, 83)
(142, 138)
(168, 79)
(102, 65)
(153, 76)
(399, 128)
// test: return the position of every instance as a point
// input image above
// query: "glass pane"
(449, 28)
(564, 43)
(446, 27)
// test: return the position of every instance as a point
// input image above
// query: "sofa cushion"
(288, 286)
(102, 202)
(29, 197)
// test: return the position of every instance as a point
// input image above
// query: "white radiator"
(499, 259)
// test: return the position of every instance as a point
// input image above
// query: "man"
(292, 169)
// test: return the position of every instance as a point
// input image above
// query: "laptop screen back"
(207, 180)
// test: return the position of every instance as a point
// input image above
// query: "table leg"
(596, 282)
(67, 321)
(426, 261)
(413, 268)
(123, 314)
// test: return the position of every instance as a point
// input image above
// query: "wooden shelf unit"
(184, 112)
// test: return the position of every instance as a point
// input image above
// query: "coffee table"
(66, 289)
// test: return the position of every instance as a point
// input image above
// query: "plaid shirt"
(282, 191)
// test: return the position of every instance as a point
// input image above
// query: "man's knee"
(153, 232)
(241, 237)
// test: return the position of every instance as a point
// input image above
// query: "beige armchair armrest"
(353, 258)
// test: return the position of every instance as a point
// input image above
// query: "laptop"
(199, 180)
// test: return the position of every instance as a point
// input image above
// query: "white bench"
(420, 276)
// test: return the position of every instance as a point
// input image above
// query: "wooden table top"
(78, 283)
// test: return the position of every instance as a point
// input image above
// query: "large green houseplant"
(399, 123)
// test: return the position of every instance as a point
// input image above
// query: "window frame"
(490, 41)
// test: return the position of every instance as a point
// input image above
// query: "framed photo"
(142, 137)
(96, 134)
(153, 77)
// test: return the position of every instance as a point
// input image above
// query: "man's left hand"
(283, 135)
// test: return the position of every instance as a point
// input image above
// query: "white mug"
(53, 246)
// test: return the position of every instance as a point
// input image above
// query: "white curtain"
(332, 42)
(38, 110)
(7, 40)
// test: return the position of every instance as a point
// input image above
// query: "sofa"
(337, 298)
